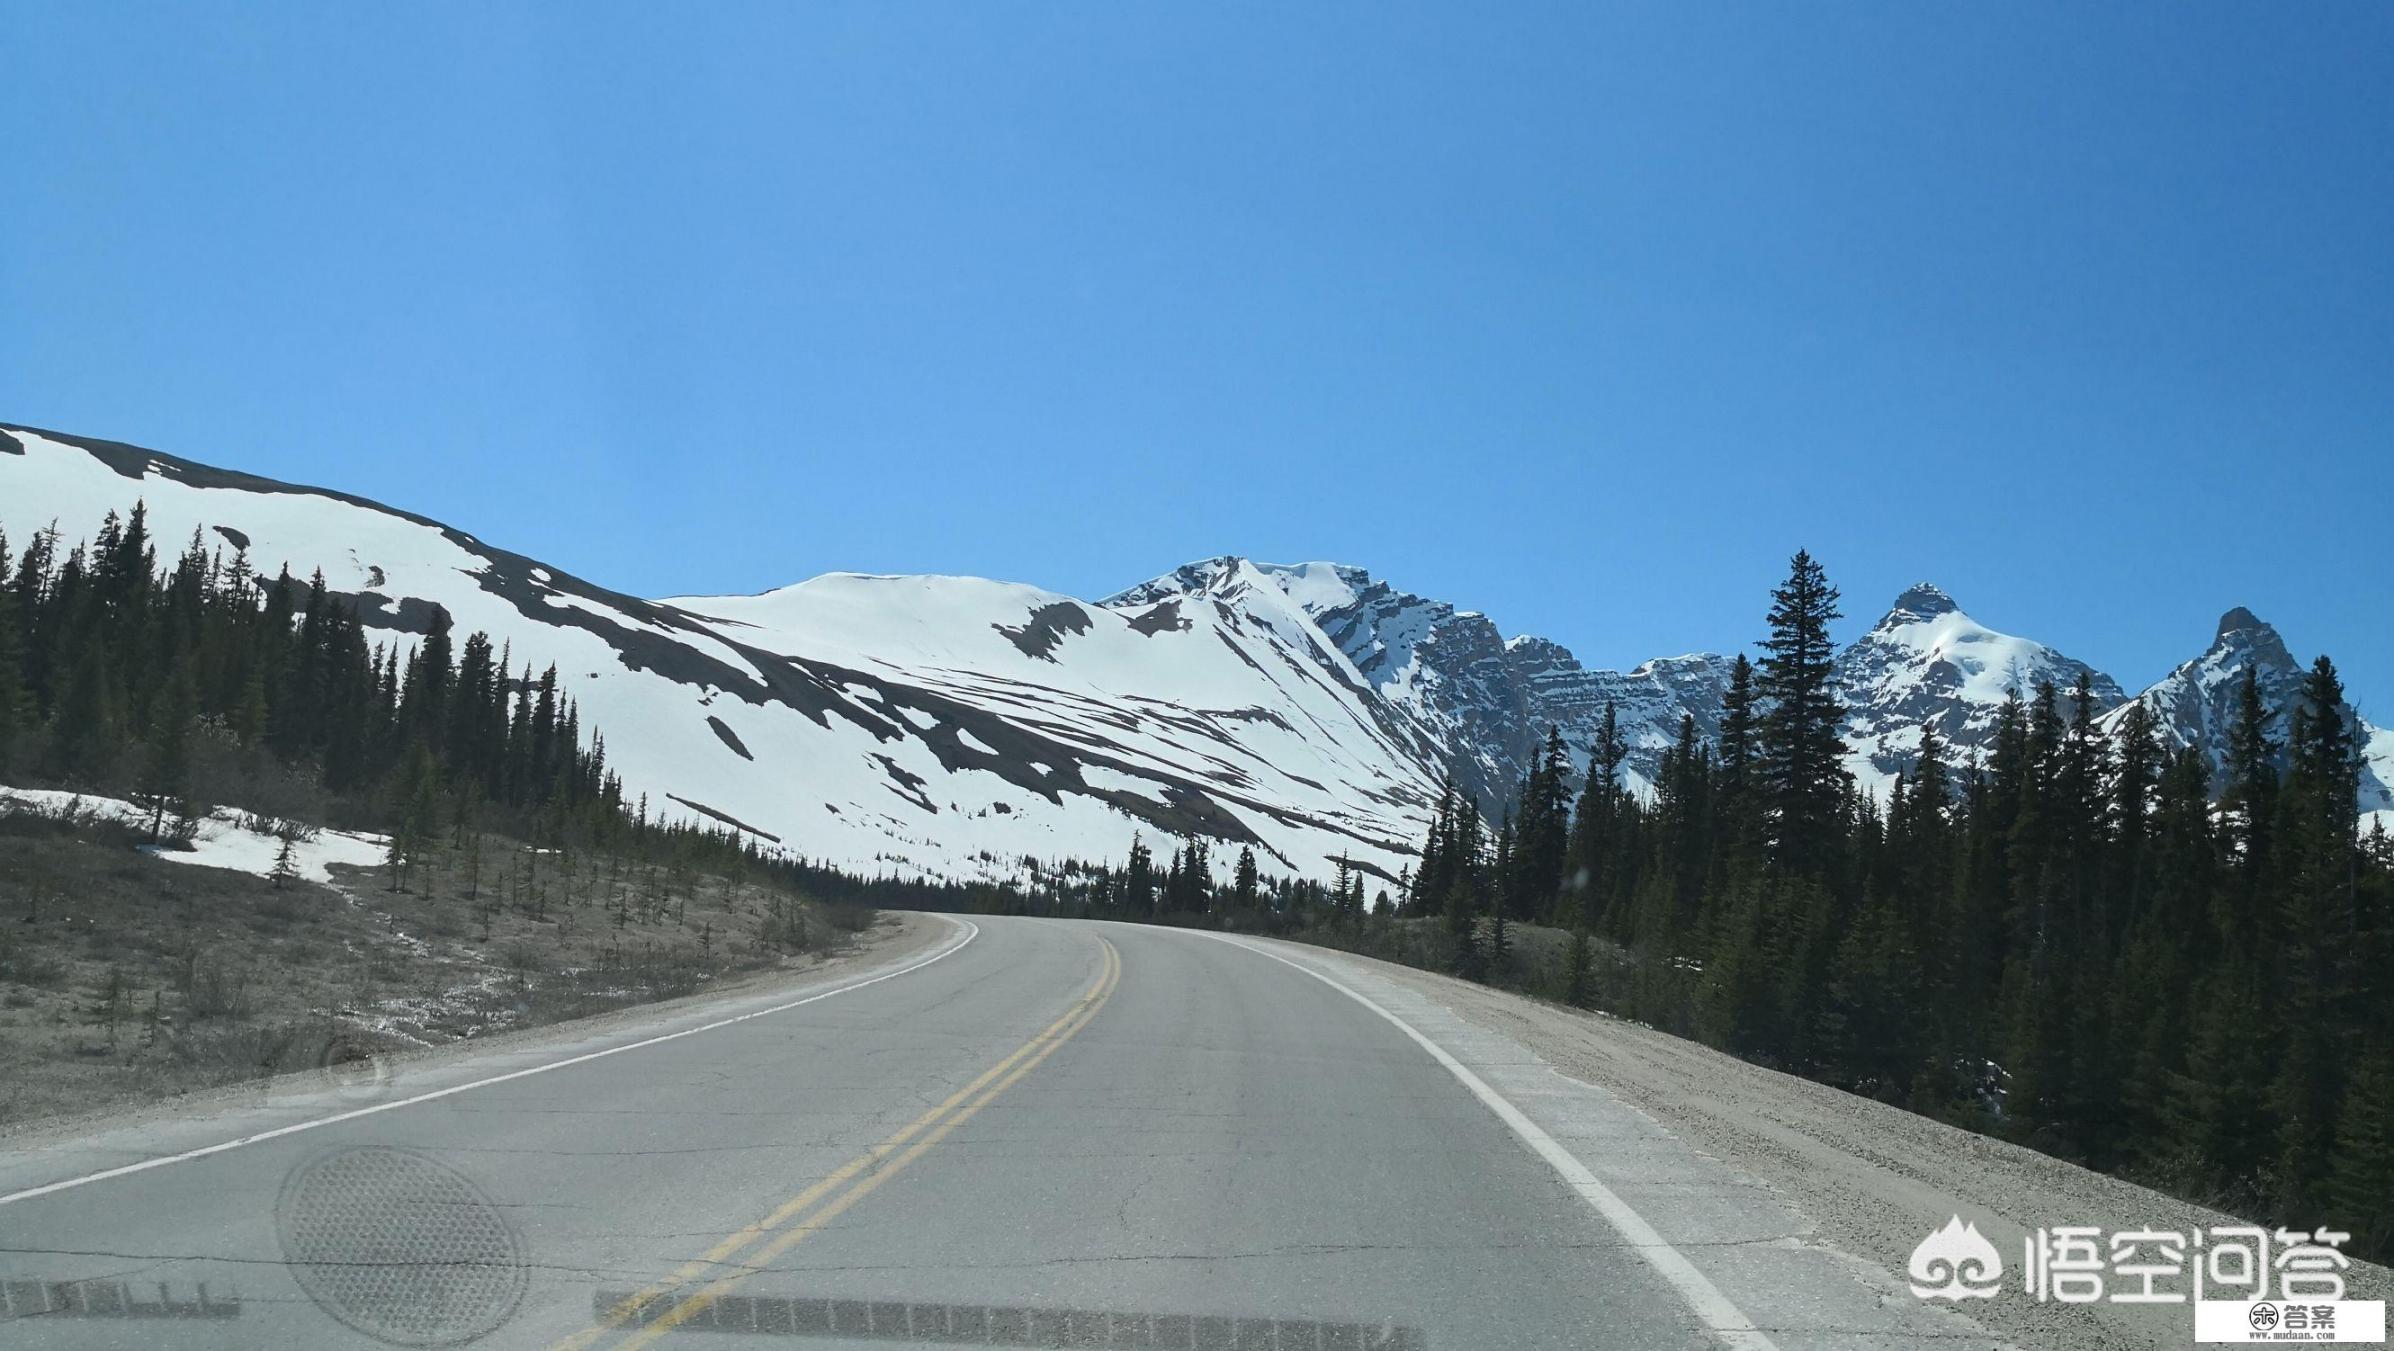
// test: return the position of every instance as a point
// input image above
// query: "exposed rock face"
(2195, 705)
(1927, 664)
(1481, 702)
(951, 726)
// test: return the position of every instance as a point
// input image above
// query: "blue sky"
(1585, 316)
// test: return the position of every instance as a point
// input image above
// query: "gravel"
(1872, 1180)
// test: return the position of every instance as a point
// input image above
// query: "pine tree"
(2249, 804)
(168, 783)
(15, 709)
(2136, 774)
(1595, 825)
(1139, 881)
(1503, 878)
(1799, 753)
(1579, 977)
(2360, 1186)
(2318, 926)
(1461, 903)
(86, 732)
(1544, 831)
(1434, 878)
(1740, 728)
(286, 866)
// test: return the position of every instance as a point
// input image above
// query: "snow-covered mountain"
(936, 726)
(951, 726)
(1925, 663)
(1479, 700)
(2195, 705)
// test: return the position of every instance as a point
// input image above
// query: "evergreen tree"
(1799, 753)
(286, 865)
(1139, 881)
(1542, 837)
(2318, 926)
(15, 708)
(1579, 976)
(1595, 825)
(167, 785)
(1461, 903)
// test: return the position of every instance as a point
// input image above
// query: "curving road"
(1031, 1132)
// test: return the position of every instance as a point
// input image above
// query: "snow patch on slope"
(1926, 663)
(224, 839)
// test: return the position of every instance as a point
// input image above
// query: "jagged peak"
(1315, 586)
(2238, 620)
(1921, 600)
(1198, 576)
(2240, 630)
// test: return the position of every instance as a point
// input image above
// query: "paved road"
(1047, 1133)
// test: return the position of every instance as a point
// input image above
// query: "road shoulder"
(1858, 1180)
(32, 1150)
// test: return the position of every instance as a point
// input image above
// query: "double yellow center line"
(807, 1213)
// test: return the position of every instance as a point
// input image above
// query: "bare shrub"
(217, 989)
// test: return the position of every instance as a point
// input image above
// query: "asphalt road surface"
(1030, 1132)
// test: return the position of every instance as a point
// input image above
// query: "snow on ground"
(848, 698)
(226, 839)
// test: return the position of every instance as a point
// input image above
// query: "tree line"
(2070, 941)
(2067, 941)
(202, 682)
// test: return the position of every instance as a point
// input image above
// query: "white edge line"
(1716, 1309)
(972, 931)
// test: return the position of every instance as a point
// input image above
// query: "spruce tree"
(1595, 835)
(1139, 881)
(15, 710)
(286, 865)
(1799, 753)
(168, 782)
(1542, 836)
(2318, 925)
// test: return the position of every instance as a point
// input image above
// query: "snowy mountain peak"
(1929, 664)
(1189, 579)
(2196, 704)
(2245, 633)
(917, 725)
(952, 726)
(2236, 621)
(1923, 600)
(1315, 587)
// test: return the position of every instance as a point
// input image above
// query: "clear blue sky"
(1585, 316)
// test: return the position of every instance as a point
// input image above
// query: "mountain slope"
(1926, 663)
(2195, 704)
(928, 726)
(1480, 701)
(951, 727)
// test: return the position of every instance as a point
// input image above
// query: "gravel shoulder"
(131, 973)
(1872, 1180)
(892, 938)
